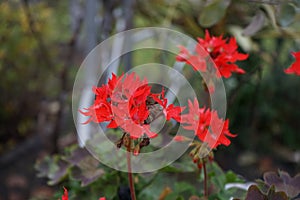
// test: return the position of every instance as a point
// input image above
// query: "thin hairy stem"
(205, 180)
(130, 176)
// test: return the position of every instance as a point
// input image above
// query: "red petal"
(174, 112)
(183, 54)
(295, 67)
(65, 195)
(112, 124)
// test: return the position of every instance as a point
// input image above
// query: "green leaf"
(110, 191)
(286, 14)
(217, 175)
(183, 187)
(171, 169)
(213, 12)
(173, 196)
(231, 177)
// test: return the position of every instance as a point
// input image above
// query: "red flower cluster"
(127, 102)
(223, 52)
(295, 67)
(65, 195)
(199, 120)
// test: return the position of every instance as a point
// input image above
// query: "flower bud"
(136, 150)
(200, 165)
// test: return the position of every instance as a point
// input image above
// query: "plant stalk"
(130, 176)
(205, 181)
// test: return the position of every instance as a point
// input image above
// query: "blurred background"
(43, 42)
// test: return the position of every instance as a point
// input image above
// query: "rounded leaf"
(213, 12)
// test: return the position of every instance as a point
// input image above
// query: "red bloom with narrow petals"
(170, 111)
(295, 67)
(100, 111)
(197, 62)
(129, 106)
(207, 125)
(123, 102)
(65, 195)
(184, 54)
(223, 52)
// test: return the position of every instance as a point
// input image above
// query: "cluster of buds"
(200, 155)
(134, 146)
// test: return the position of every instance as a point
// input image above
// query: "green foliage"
(219, 179)
(83, 176)
(213, 12)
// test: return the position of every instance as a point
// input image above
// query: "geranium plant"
(127, 103)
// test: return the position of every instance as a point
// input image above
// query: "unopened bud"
(144, 142)
(136, 150)
(211, 157)
(119, 143)
(195, 151)
(196, 158)
(200, 165)
(126, 140)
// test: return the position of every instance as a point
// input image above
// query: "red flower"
(65, 195)
(207, 125)
(100, 111)
(181, 138)
(223, 52)
(191, 119)
(169, 111)
(112, 82)
(129, 106)
(197, 62)
(184, 54)
(124, 103)
(295, 67)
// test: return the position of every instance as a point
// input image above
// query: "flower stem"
(130, 176)
(205, 181)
